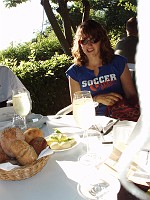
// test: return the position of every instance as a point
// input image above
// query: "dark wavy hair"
(93, 29)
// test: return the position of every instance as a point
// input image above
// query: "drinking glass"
(84, 115)
(21, 104)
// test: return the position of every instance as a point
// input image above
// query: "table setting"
(19, 158)
(63, 165)
(63, 170)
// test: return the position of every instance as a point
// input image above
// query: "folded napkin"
(62, 120)
(138, 171)
(75, 170)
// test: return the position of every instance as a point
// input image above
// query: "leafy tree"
(112, 13)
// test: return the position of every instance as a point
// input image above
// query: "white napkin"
(62, 120)
(75, 170)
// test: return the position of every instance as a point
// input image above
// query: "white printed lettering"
(84, 83)
(90, 82)
(96, 81)
(106, 77)
(113, 77)
(101, 79)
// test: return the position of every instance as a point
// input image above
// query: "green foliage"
(46, 46)
(12, 3)
(43, 46)
(129, 5)
(113, 14)
(46, 81)
(21, 52)
(114, 38)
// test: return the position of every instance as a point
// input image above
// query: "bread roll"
(24, 153)
(39, 144)
(3, 156)
(32, 133)
(9, 135)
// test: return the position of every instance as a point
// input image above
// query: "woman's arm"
(127, 83)
(106, 99)
(74, 86)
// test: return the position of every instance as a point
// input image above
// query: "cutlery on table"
(105, 130)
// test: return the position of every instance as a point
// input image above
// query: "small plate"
(70, 130)
(77, 139)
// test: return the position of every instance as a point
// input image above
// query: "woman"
(97, 68)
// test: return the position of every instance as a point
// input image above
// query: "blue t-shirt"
(108, 79)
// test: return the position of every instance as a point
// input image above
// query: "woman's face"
(90, 46)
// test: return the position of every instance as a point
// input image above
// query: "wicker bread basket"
(24, 172)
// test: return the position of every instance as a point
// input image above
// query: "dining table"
(60, 176)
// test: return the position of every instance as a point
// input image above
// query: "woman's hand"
(108, 99)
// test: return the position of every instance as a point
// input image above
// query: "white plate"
(70, 130)
(77, 139)
(35, 120)
(89, 181)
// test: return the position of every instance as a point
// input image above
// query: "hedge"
(46, 81)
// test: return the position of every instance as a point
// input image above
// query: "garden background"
(41, 63)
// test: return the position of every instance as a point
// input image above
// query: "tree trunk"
(86, 10)
(63, 11)
(51, 17)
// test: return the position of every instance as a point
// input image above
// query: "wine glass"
(21, 104)
(84, 115)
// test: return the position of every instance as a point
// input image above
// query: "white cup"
(121, 133)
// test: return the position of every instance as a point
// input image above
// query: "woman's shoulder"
(119, 58)
(74, 67)
(119, 63)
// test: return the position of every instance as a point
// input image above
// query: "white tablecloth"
(55, 181)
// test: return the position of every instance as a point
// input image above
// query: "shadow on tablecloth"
(125, 195)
